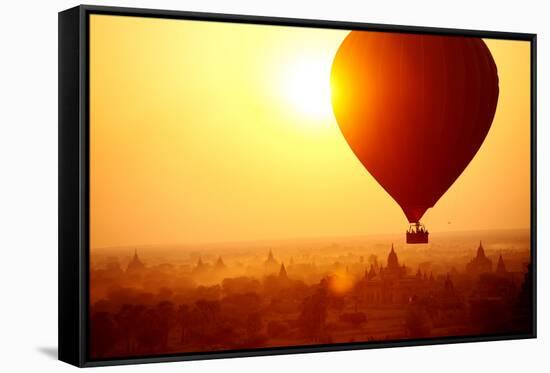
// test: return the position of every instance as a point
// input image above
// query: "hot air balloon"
(415, 110)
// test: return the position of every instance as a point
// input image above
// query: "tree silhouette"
(103, 334)
(313, 316)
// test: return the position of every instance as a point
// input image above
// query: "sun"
(305, 86)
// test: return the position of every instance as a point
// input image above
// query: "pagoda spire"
(393, 261)
(282, 271)
(219, 263)
(480, 250)
(271, 261)
(135, 264)
(501, 268)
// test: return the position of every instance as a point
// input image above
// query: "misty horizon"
(379, 236)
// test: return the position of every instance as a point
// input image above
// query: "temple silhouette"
(327, 295)
(135, 265)
(480, 264)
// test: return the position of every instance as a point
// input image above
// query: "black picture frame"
(73, 228)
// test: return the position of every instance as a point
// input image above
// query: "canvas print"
(261, 186)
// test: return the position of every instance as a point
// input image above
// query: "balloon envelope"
(414, 109)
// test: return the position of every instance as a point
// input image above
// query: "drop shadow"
(50, 352)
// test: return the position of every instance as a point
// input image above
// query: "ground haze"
(161, 300)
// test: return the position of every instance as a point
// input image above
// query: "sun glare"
(306, 87)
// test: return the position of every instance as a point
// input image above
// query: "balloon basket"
(417, 234)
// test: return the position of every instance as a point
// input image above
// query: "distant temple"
(282, 272)
(393, 261)
(393, 270)
(220, 265)
(200, 268)
(135, 264)
(390, 284)
(270, 258)
(479, 264)
(270, 264)
(501, 268)
(371, 273)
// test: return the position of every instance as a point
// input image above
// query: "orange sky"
(207, 132)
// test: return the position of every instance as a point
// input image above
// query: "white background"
(28, 186)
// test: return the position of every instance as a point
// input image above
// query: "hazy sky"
(205, 132)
